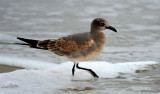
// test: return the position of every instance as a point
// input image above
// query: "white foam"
(46, 77)
(103, 68)
(9, 84)
(109, 70)
(25, 63)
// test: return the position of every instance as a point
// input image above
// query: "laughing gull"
(77, 47)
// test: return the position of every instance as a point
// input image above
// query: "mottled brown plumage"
(43, 44)
(77, 47)
(67, 46)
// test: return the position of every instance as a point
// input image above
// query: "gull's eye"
(101, 23)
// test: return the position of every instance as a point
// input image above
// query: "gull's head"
(100, 24)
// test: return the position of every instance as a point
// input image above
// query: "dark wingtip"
(31, 42)
(23, 39)
(20, 38)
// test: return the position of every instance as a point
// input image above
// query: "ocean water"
(129, 63)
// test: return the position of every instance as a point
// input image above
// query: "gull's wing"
(70, 44)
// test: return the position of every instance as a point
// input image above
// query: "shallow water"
(138, 26)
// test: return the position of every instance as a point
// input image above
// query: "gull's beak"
(112, 28)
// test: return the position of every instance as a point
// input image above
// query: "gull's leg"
(89, 70)
(73, 69)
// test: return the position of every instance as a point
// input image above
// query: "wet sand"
(5, 68)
